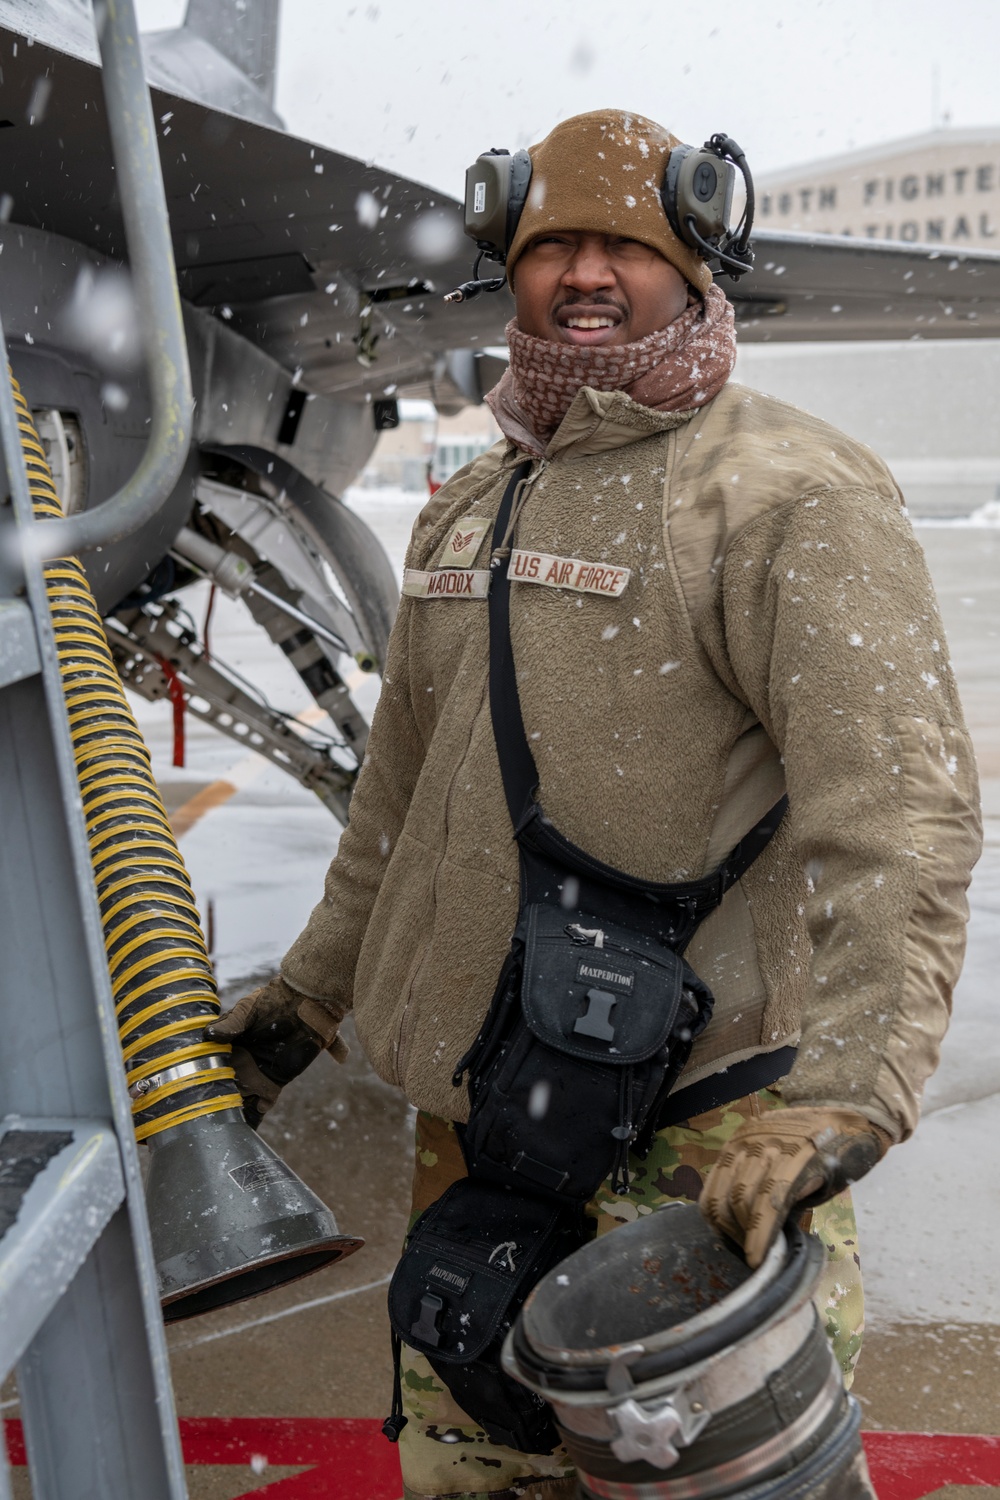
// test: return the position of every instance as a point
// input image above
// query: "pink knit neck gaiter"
(677, 368)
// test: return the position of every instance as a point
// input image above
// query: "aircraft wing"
(290, 242)
(824, 287)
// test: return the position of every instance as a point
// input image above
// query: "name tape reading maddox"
(568, 573)
(447, 583)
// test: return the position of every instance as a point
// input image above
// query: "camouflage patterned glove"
(277, 1032)
(790, 1159)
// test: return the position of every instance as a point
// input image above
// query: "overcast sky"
(422, 89)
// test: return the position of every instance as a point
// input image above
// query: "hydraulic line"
(161, 977)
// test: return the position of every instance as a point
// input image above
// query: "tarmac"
(929, 1216)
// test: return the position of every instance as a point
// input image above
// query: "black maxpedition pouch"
(589, 1029)
(470, 1261)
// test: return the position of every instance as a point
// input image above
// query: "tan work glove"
(788, 1159)
(276, 1032)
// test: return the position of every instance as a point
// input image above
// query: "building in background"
(942, 188)
(931, 409)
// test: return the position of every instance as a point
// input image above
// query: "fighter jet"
(312, 287)
(312, 295)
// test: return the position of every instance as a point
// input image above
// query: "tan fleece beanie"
(602, 173)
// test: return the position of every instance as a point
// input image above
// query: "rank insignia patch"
(462, 545)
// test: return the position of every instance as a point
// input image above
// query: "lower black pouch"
(469, 1264)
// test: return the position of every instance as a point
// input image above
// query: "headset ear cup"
(697, 197)
(668, 193)
(520, 182)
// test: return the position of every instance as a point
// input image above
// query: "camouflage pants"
(444, 1454)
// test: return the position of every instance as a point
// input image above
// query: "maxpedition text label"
(447, 583)
(568, 573)
(451, 1279)
(613, 979)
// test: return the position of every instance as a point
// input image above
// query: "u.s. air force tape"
(447, 583)
(568, 573)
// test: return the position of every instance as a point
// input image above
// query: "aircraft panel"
(305, 218)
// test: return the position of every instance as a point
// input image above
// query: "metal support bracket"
(140, 642)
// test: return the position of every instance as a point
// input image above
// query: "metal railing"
(158, 308)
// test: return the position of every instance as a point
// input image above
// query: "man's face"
(595, 289)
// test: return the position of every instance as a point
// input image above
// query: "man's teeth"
(590, 322)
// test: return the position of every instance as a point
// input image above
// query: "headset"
(697, 196)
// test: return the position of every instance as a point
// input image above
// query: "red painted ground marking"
(354, 1461)
(350, 1459)
(912, 1465)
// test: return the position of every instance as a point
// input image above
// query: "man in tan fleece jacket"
(716, 598)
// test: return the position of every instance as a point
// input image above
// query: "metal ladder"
(79, 1310)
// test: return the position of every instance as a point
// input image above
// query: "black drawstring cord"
(396, 1420)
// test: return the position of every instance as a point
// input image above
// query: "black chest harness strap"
(593, 1019)
(671, 911)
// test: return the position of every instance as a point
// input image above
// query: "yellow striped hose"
(161, 978)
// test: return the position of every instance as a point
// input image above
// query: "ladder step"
(60, 1183)
(18, 645)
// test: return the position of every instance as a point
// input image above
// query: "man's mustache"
(595, 299)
